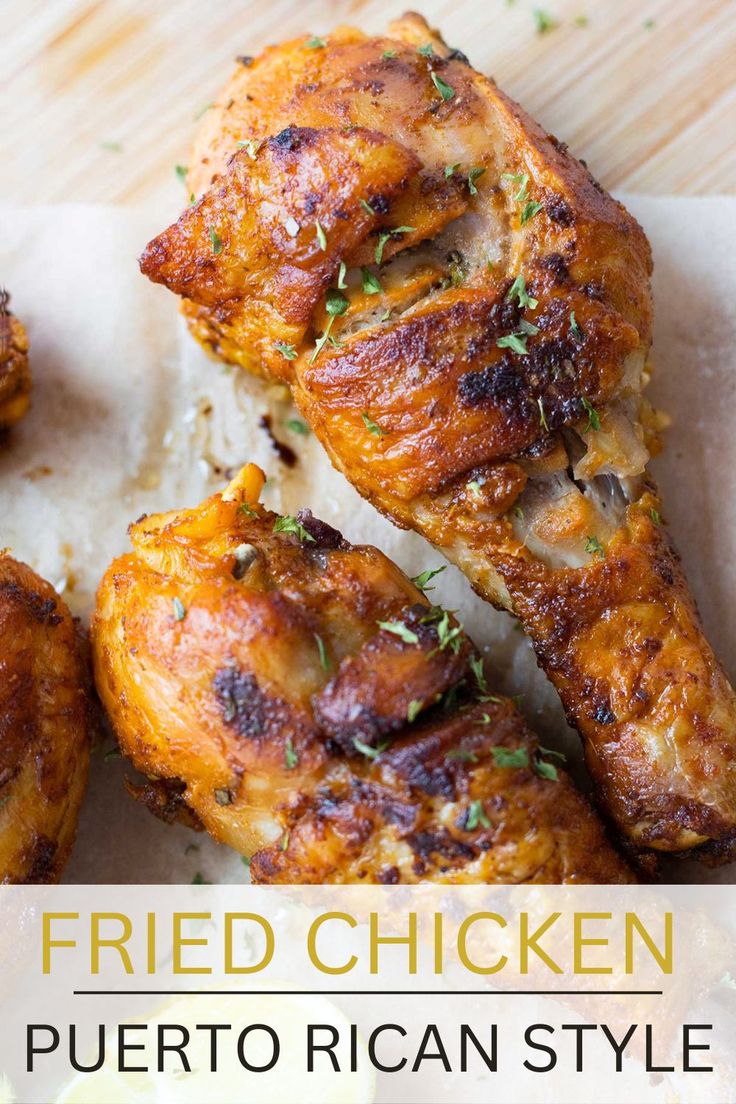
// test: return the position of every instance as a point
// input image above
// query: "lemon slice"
(232, 1083)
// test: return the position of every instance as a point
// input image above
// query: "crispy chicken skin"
(44, 733)
(15, 376)
(243, 663)
(472, 353)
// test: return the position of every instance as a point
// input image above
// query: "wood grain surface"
(103, 94)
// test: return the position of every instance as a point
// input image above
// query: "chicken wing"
(472, 354)
(306, 702)
(15, 376)
(44, 734)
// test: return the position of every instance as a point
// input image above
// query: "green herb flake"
(462, 755)
(216, 241)
(594, 421)
(384, 237)
(522, 179)
(424, 577)
(518, 291)
(199, 880)
(542, 416)
(288, 352)
(335, 304)
(442, 87)
(372, 426)
(581, 21)
(245, 859)
(426, 51)
(112, 753)
(413, 710)
(398, 628)
(367, 750)
(371, 283)
(655, 516)
(594, 547)
(476, 815)
(321, 236)
(474, 487)
(252, 146)
(450, 170)
(179, 611)
(223, 797)
(510, 757)
(574, 328)
(516, 342)
(387, 55)
(296, 425)
(449, 636)
(289, 524)
(474, 175)
(546, 770)
(649, 24)
(529, 211)
(245, 508)
(315, 43)
(476, 666)
(181, 172)
(367, 207)
(324, 659)
(341, 274)
(291, 759)
(543, 21)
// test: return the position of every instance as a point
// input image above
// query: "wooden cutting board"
(103, 94)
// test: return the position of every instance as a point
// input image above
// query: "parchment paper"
(129, 417)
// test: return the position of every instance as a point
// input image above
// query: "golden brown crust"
(44, 734)
(523, 461)
(286, 685)
(15, 375)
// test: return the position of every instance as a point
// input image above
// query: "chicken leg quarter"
(464, 318)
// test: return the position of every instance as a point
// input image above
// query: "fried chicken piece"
(312, 709)
(44, 732)
(476, 370)
(15, 375)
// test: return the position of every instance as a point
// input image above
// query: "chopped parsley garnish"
(510, 757)
(113, 753)
(181, 172)
(398, 628)
(529, 211)
(413, 709)
(543, 21)
(296, 425)
(546, 770)
(372, 426)
(335, 304)
(450, 170)
(341, 274)
(367, 207)
(474, 487)
(291, 758)
(442, 87)
(384, 237)
(542, 415)
(474, 175)
(516, 342)
(199, 880)
(518, 291)
(463, 755)
(476, 666)
(223, 797)
(476, 815)
(367, 750)
(424, 577)
(594, 421)
(289, 524)
(252, 146)
(449, 636)
(388, 54)
(324, 659)
(321, 236)
(522, 179)
(179, 611)
(519, 513)
(371, 283)
(655, 516)
(574, 328)
(649, 24)
(315, 43)
(245, 859)
(288, 352)
(594, 547)
(426, 51)
(244, 508)
(216, 241)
